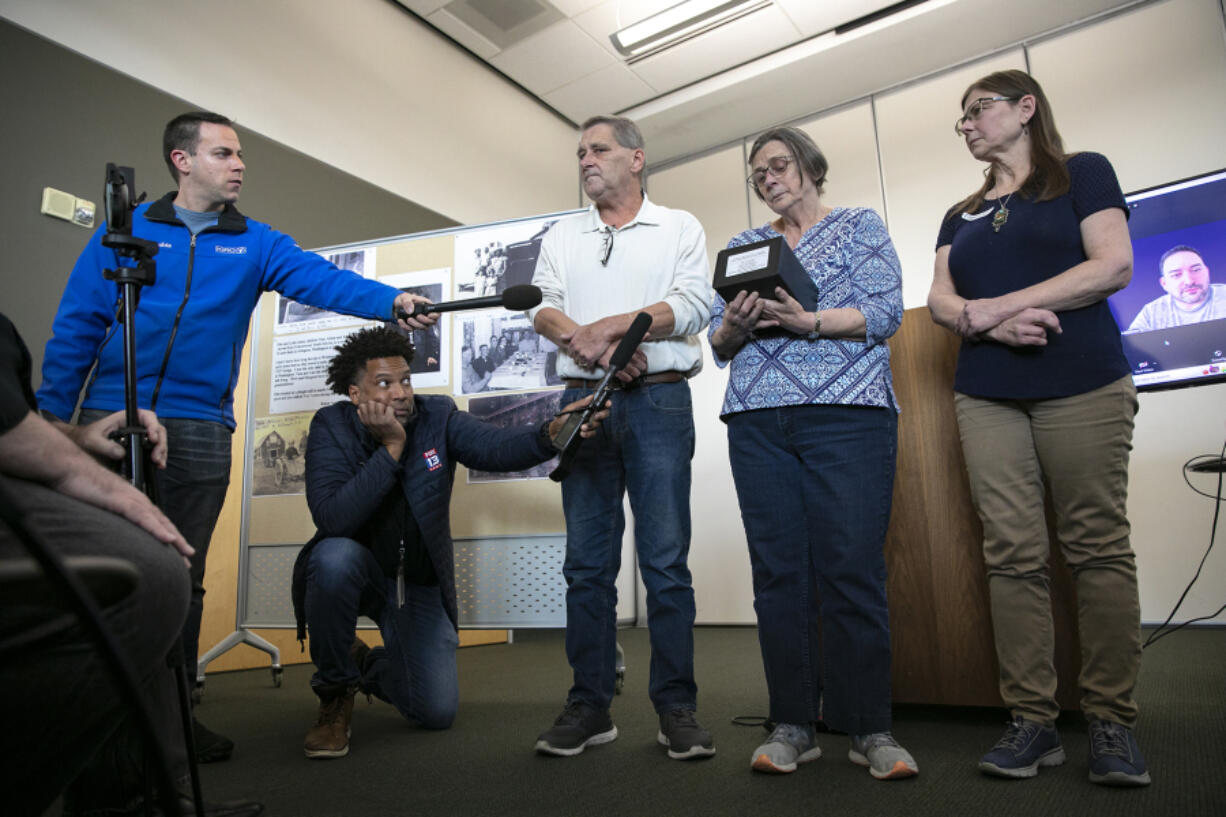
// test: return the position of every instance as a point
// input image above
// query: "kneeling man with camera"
(379, 473)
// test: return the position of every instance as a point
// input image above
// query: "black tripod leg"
(176, 656)
(185, 713)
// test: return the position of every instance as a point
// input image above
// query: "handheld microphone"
(568, 438)
(516, 298)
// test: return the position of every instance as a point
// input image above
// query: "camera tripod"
(137, 465)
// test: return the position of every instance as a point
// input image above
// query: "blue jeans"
(815, 485)
(191, 490)
(644, 447)
(415, 669)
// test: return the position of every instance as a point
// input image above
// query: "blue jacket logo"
(230, 250)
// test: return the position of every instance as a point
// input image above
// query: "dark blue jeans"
(645, 448)
(815, 484)
(191, 491)
(415, 669)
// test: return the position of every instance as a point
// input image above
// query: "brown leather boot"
(329, 737)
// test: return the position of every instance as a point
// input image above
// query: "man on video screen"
(1189, 298)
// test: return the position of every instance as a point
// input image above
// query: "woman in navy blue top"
(812, 438)
(1045, 403)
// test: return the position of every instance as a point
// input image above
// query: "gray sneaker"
(790, 744)
(885, 759)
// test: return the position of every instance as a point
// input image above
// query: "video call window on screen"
(1172, 314)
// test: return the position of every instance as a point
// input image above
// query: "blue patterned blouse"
(850, 257)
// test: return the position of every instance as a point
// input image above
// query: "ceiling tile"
(572, 7)
(552, 58)
(599, 22)
(505, 22)
(612, 88)
(717, 50)
(459, 31)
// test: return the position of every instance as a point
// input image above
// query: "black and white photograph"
(295, 317)
(278, 455)
(490, 259)
(507, 410)
(429, 366)
(500, 351)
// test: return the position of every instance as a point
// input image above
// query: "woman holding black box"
(1045, 399)
(812, 437)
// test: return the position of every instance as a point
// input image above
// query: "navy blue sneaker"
(578, 727)
(684, 737)
(1115, 759)
(1025, 747)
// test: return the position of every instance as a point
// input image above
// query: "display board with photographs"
(512, 381)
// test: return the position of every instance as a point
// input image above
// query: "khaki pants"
(1079, 446)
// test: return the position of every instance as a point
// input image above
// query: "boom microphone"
(516, 298)
(568, 438)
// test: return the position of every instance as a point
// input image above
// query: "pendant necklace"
(1002, 215)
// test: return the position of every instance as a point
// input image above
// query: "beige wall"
(362, 86)
(714, 190)
(1148, 89)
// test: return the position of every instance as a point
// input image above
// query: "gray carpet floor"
(485, 764)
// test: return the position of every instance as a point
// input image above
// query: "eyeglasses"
(776, 167)
(975, 109)
(606, 246)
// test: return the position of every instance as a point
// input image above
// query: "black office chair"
(106, 579)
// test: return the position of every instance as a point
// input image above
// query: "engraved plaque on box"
(760, 267)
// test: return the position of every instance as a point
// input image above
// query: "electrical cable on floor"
(1213, 464)
(753, 720)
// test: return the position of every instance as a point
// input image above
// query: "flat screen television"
(1172, 315)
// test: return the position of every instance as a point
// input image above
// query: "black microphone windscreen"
(630, 341)
(522, 296)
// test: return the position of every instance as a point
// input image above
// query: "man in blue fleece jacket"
(213, 264)
(379, 472)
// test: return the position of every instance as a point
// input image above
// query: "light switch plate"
(58, 203)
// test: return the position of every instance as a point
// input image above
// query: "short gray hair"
(809, 157)
(625, 131)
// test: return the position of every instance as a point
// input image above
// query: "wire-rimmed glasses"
(975, 110)
(776, 167)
